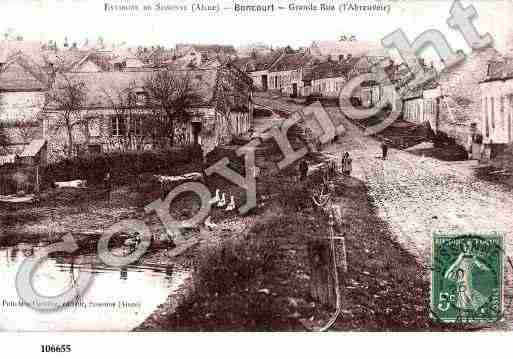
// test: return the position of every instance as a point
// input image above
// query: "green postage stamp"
(467, 278)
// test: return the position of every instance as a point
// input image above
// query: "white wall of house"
(413, 110)
(20, 106)
(107, 131)
(497, 112)
(256, 76)
(285, 80)
(328, 87)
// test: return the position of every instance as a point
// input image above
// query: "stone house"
(23, 86)
(118, 115)
(325, 79)
(286, 74)
(258, 68)
(458, 97)
(196, 55)
(420, 106)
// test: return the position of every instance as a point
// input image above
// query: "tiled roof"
(356, 48)
(328, 69)
(33, 148)
(458, 114)
(22, 74)
(260, 63)
(292, 62)
(500, 70)
(9, 48)
(104, 87)
(417, 92)
(63, 60)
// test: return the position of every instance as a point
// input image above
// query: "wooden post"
(322, 283)
(322, 287)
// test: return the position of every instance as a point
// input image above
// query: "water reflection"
(101, 306)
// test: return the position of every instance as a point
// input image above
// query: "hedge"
(124, 167)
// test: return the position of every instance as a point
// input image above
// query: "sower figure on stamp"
(461, 272)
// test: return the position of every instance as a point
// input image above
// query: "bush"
(235, 261)
(124, 167)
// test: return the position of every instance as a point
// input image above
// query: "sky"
(80, 19)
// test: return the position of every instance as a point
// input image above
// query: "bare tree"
(69, 97)
(4, 140)
(175, 95)
(139, 119)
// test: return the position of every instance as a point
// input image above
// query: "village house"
(420, 106)
(385, 89)
(326, 79)
(195, 55)
(461, 96)
(108, 122)
(22, 98)
(452, 104)
(497, 108)
(257, 68)
(322, 50)
(286, 74)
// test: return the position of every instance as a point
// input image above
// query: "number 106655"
(55, 348)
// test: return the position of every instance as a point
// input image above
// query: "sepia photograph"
(255, 167)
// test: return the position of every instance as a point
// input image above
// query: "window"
(141, 98)
(118, 126)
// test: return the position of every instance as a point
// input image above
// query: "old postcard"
(255, 166)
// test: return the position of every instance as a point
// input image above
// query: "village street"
(417, 196)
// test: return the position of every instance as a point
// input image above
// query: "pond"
(117, 300)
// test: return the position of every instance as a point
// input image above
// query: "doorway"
(196, 132)
(264, 82)
(294, 90)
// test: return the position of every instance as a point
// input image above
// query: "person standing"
(344, 163)
(384, 148)
(349, 165)
(303, 170)
(108, 185)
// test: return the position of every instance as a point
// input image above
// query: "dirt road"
(418, 196)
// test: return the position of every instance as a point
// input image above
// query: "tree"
(174, 94)
(126, 106)
(4, 140)
(69, 97)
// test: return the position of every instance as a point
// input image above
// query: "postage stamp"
(467, 278)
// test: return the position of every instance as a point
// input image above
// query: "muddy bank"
(384, 288)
